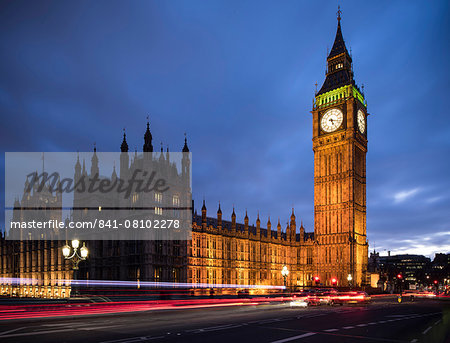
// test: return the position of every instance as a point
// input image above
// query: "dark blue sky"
(238, 77)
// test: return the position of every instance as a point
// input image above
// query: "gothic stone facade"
(340, 147)
(226, 252)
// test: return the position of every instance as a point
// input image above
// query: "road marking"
(348, 327)
(216, 328)
(294, 337)
(134, 339)
(414, 340)
(361, 325)
(437, 322)
(372, 323)
(33, 333)
(97, 327)
(13, 330)
(331, 330)
(222, 328)
(425, 332)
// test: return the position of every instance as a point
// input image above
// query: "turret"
(77, 174)
(258, 226)
(219, 218)
(84, 173)
(94, 163)
(185, 162)
(279, 230)
(148, 147)
(293, 226)
(233, 221)
(246, 222)
(124, 158)
(302, 232)
(114, 174)
(124, 145)
(204, 215)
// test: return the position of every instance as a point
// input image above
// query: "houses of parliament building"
(226, 252)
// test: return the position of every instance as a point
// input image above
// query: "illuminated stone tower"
(340, 147)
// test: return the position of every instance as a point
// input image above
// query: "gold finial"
(339, 12)
(316, 87)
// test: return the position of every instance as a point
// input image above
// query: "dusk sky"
(238, 77)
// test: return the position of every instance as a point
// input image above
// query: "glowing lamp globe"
(84, 251)
(66, 251)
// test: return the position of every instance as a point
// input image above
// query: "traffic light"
(316, 280)
(399, 276)
(334, 281)
(435, 282)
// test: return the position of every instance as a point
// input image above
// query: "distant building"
(440, 268)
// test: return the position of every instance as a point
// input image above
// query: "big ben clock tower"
(340, 147)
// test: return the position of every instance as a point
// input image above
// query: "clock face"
(332, 120)
(361, 121)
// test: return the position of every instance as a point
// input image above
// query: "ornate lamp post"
(76, 257)
(349, 279)
(285, 273)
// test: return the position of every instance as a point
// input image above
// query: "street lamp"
(349, 279)
(76, 257)
(334, 282)
(317, 280)
(285, 273)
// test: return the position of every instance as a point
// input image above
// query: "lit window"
(176, 200)
(158, 197)
(158, 210)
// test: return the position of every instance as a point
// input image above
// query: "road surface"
(384, 320)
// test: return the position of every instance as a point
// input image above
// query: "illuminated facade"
(31, 268)
(225, 252)
(340, 147)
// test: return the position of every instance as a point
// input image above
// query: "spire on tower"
(204, 205)
(219, 211)
(124, 146)
(339, 44)
(148, 147)
(185, 148)
(339, 63)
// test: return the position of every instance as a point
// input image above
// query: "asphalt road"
(382, 321)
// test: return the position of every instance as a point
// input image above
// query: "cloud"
(426, 244)
(403, 195)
